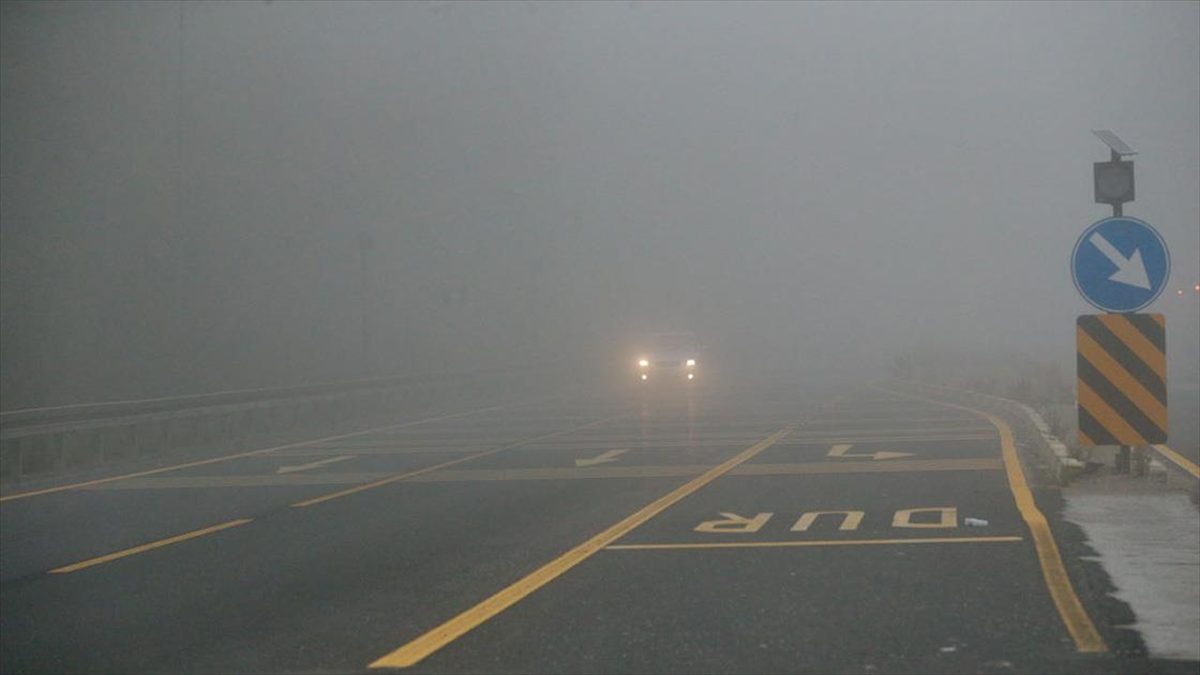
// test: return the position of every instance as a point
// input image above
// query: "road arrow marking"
(313, 465)
(843, 450)
(1131, 271)
(606, 456)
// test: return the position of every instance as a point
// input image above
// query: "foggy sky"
(184, 187)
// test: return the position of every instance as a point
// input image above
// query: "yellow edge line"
(443, 465)
(415, 651)
(827, 542)
(1058, 582)
(240, 455)
(148, 547)
(1183, 462)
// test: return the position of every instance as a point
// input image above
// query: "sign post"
(1120, 265)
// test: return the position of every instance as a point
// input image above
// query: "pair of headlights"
(645, 363)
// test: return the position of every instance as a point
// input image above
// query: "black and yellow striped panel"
(1121, 362)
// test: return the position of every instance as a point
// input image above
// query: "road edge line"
(1070, 609)
(415, 651)
(1178, 459)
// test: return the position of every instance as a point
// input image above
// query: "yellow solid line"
(443, 465)
(1183, 462)
(1058, 582)
(824, 542)
(415, 651)
(149, 547)
(223, 458)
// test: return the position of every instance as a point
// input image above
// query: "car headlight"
(643, 362)
(691, 362)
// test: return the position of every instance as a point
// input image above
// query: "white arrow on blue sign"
(1120, 264)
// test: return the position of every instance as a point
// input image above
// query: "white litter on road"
(1150, 546)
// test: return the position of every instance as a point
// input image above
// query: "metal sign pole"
(1118, 207)
(1121, 463)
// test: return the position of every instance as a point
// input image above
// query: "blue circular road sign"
(1120, 264)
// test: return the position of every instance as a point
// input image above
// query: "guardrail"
(41, 442)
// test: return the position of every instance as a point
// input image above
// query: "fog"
(204, 196)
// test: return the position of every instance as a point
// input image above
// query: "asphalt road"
(729, 529)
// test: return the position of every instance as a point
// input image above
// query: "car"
(669, 357)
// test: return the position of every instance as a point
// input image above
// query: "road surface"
(779, 529)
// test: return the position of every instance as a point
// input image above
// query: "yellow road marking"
(1183, 462)
(825, 439)
(843, 450)
(244, 481)
(801, 544)
(573, 446)
(560, 473)
(223, 458)
(898, 433)
(661, 471)
(415, 651)
(430, 450)
(409, 474)
(1058, 582)
(871, 466)
(733, 523)
(606, 456)
(148, 547)
(314, 465)
(850, 519)
(904, 421)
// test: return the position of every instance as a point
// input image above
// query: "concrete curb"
(1052, 453)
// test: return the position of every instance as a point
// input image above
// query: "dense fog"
(206, 196)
